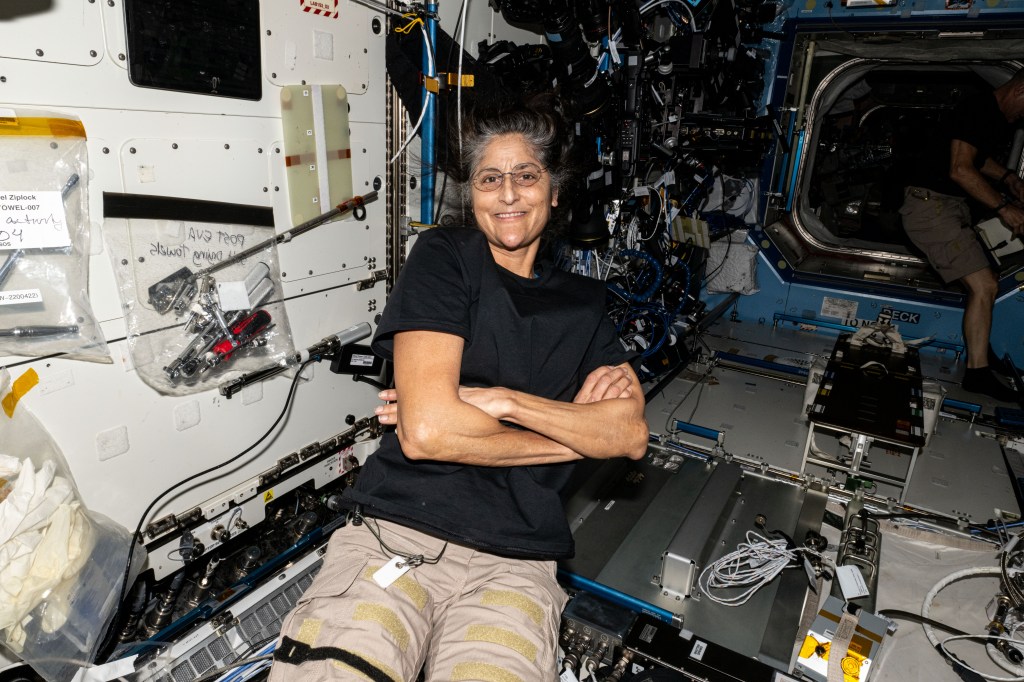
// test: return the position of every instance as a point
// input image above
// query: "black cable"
(412, 560)
(918, 618)
(136, 536)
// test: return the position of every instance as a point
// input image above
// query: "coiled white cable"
(929, 632)
(753, 564)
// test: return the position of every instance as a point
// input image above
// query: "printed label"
(362, 360)
(838, 307)
(32, 220)
(20, 296)
(891, 316)
(699, 648)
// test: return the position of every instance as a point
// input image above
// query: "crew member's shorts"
(940, 225)
(471, 616)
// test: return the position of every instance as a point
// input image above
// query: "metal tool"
(38, 330)
(177, 289)
(326, 346)
(213, 327)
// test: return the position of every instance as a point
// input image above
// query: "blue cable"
(649, 291)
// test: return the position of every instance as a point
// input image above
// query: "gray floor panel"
(958, 472)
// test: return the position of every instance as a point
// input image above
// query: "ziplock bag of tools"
(202, 300)
(44, 238)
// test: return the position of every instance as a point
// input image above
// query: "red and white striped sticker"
(323, 8)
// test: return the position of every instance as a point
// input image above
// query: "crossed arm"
(437, 419)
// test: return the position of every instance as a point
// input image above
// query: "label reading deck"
(20, 296)
(838, 307)
(32, 220)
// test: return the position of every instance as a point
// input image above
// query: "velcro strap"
(295, 653)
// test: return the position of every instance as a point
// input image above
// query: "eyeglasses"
(524, 175)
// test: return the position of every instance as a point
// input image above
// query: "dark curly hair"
(537, 118)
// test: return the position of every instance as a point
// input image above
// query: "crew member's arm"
(434, 422)
(593, 427)
(964, 173)
(1004, 176)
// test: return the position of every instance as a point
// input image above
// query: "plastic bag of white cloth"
(60, 564)
(732, 265)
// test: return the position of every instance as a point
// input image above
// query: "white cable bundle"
(753, 564)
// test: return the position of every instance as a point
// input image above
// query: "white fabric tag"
(851, 582)
(390, 572)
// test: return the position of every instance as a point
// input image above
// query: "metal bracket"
(370, 281)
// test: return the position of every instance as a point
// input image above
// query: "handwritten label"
(201, 247)
(20, 296)
(32, 220)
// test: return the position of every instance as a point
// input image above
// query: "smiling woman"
(507, 372)
(512, 215)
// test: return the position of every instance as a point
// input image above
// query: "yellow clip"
(447, 80)
(408, 27)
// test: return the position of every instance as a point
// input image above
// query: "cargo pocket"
(335, 578)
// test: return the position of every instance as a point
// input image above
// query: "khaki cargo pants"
(471, 616)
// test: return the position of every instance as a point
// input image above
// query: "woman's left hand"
(604, 383)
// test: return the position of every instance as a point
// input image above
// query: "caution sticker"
(268, 496)
(323, 8)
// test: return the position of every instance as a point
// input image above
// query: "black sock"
(982, 380)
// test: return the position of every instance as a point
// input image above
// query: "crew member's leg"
(981, 297)
(982, 288)
(346, 627)
(939, 225)
(503, 627)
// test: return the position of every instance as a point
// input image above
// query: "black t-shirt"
(541, 336)
(976, 120)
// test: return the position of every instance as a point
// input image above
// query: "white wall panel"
(301, 45)
(59, 31)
